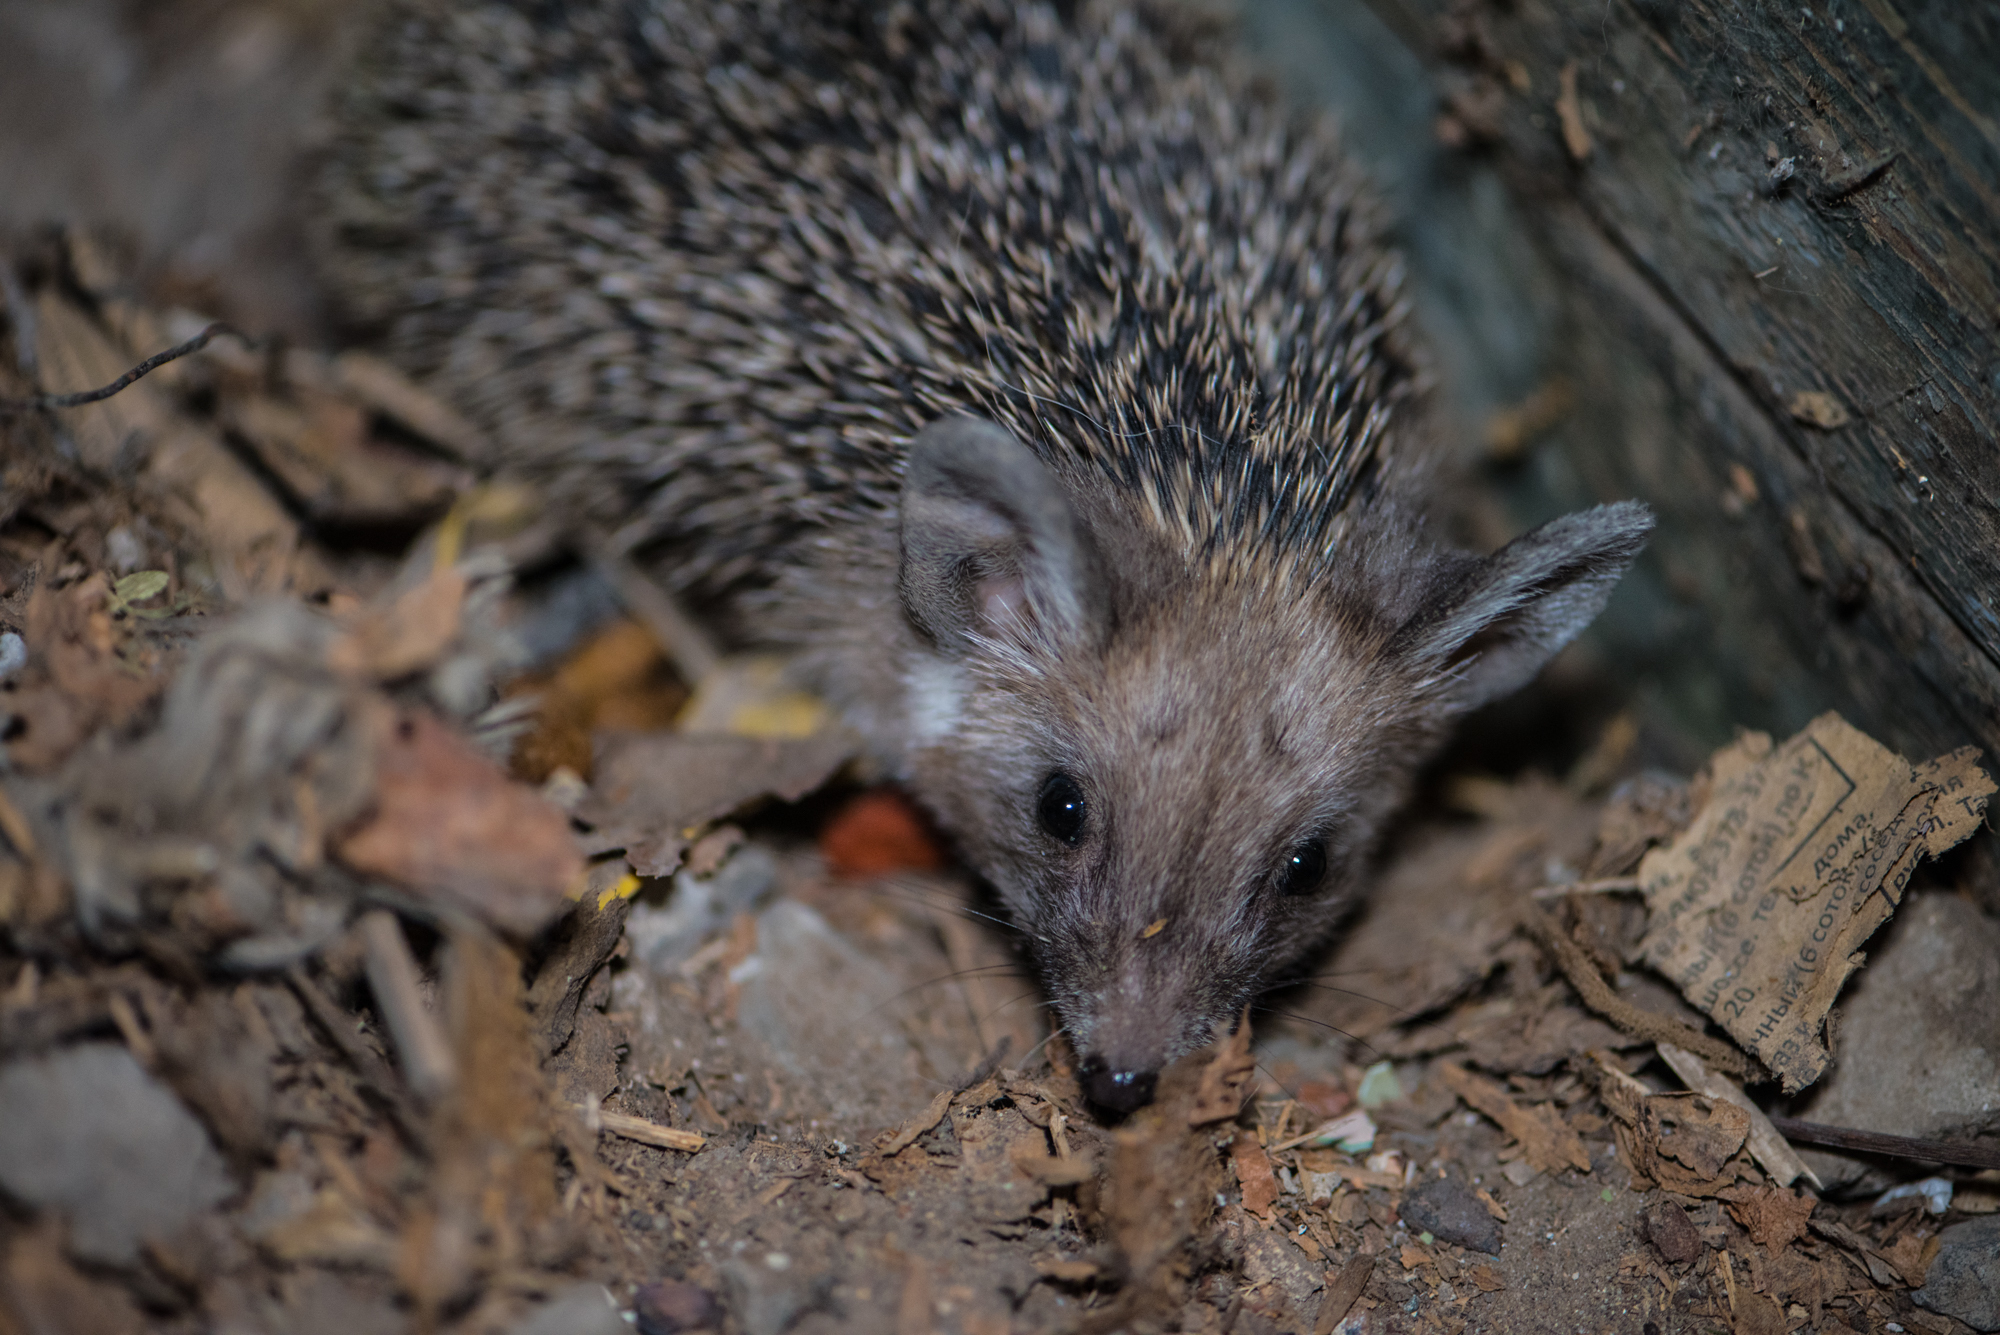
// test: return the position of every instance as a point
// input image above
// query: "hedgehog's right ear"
(991, 545)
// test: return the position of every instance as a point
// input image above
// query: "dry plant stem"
(428, 1067)
(685, 642)
(375, 1074)
(650, 1133)
(1600, 997)
(1608, 885)
(151, 364)
(1895, 1147)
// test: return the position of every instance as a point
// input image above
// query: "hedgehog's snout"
(1116, 1091)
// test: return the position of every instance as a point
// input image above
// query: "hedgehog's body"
(1141, 615)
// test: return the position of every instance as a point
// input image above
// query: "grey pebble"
(1964, 1279)
(1447, 1209)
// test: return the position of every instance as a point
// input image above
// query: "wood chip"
(1342, 1292)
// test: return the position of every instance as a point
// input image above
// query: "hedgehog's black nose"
(1116, 1091)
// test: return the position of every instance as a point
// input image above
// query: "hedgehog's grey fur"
(709, 268)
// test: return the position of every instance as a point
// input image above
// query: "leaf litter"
(357, 887)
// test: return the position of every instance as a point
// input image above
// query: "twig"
(1895, 1147)
(151, 364)
(649, 1132)
(1648, 1025)
(685, 642)
(392, 976)
(1605, 886)
(374, 1072)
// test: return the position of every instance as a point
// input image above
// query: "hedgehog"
(1030, 376)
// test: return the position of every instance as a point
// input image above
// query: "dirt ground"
(397, 935)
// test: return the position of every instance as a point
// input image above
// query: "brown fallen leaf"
(409, 633)
(1254, 1175)
(448, 824)
(1759, 1314)
(76, 678)
(1547, 1142)
(654, 793)
(878, 832)
(1912, 1255)
(320, 450)
(1687, 1143)
(1218, 1094)
(1773, 1215)
(617, 681)
(1701, 1133)
(915, 1128)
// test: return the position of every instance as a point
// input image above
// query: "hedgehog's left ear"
(1489, 625)
(991, 545)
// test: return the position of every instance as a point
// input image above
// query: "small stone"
(1919, 1039)
(1671, 1232)
(1448, 1209)
(672, 1306)
(86, 1132)
(1964, 1278)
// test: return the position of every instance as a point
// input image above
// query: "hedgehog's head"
(1172, 770)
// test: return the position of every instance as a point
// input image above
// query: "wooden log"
(1773, 238)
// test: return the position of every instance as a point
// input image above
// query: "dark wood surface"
(1774, 201)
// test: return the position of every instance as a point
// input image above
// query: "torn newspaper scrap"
(1758, 911)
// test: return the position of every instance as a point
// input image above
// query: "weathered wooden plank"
(1751, 203)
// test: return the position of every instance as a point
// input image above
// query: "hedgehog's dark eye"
(1303, 868)
(1061, 809)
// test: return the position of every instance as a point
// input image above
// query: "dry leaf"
(1767, 1147)
(1547, 1142)
(1253, 1173)
(653, 794)
(923, 1122)
(1773, 1215)
(876, 833)
(410, 633)
(1218, 1095)
(448, 823)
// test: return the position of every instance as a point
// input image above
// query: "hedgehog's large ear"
(1491, 624)
(991, 544)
